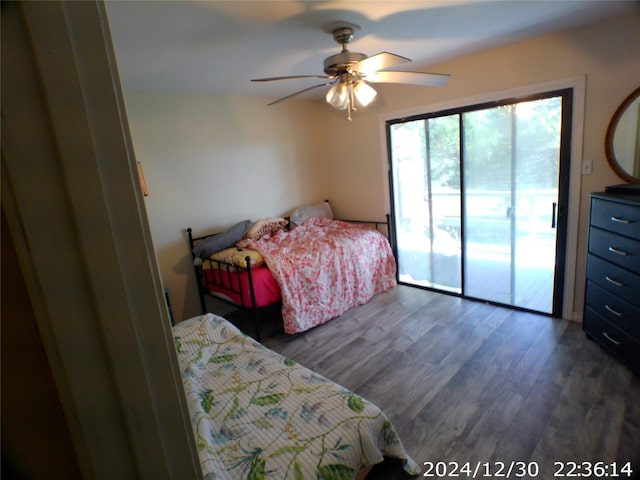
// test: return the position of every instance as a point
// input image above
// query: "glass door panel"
(487, 204)
(426, 175)
(536, 183)
(511, 171)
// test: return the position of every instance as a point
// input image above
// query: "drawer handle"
(615, 342)
(615, 282)
(611, 310)
(617, 251)
(620, 220)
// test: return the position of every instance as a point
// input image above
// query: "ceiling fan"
(350, 73)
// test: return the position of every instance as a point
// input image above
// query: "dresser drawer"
(620, 313)
(614, 340)
(615, 248)
(616, 217)
(616, 280)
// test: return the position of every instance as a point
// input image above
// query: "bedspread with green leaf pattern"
(257, 415)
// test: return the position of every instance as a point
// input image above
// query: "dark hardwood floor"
(464, 381)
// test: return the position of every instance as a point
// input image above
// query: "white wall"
(607, 55)
(210, 162)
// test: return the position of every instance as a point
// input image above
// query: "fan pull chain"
(351, 100)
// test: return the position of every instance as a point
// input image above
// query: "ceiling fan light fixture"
(364, 93)
(338, 96)
(350, 74)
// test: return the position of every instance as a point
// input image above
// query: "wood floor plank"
(628, 446)
(464, 381)
(497, 416)
(520, 440)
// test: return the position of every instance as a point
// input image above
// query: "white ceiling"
(219, 46)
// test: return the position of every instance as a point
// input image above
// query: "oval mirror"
(622, 142)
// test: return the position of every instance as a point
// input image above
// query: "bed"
(256, 414)
(313, 272)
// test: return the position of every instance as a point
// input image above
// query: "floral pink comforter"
(325, 267)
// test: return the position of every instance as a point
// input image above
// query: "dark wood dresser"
(612, 296)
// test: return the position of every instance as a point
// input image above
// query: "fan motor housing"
(339, 63)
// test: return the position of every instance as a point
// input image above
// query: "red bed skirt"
(235, 286)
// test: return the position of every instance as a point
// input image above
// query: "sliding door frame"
(565, 264)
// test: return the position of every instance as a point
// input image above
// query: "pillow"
(223, 240)
(236, 256)
(264, 226)
(311, 211)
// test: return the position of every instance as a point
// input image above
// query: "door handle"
(554, 209)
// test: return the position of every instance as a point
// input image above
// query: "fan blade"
(410, 78)
(269, 79)
(298, 93)
(379, 61)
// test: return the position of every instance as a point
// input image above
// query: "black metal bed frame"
(229, 272)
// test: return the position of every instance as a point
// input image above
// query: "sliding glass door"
(477, 200)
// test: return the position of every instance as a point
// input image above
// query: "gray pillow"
(302, 214)
(222, 240)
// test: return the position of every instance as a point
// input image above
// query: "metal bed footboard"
(229, 276)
